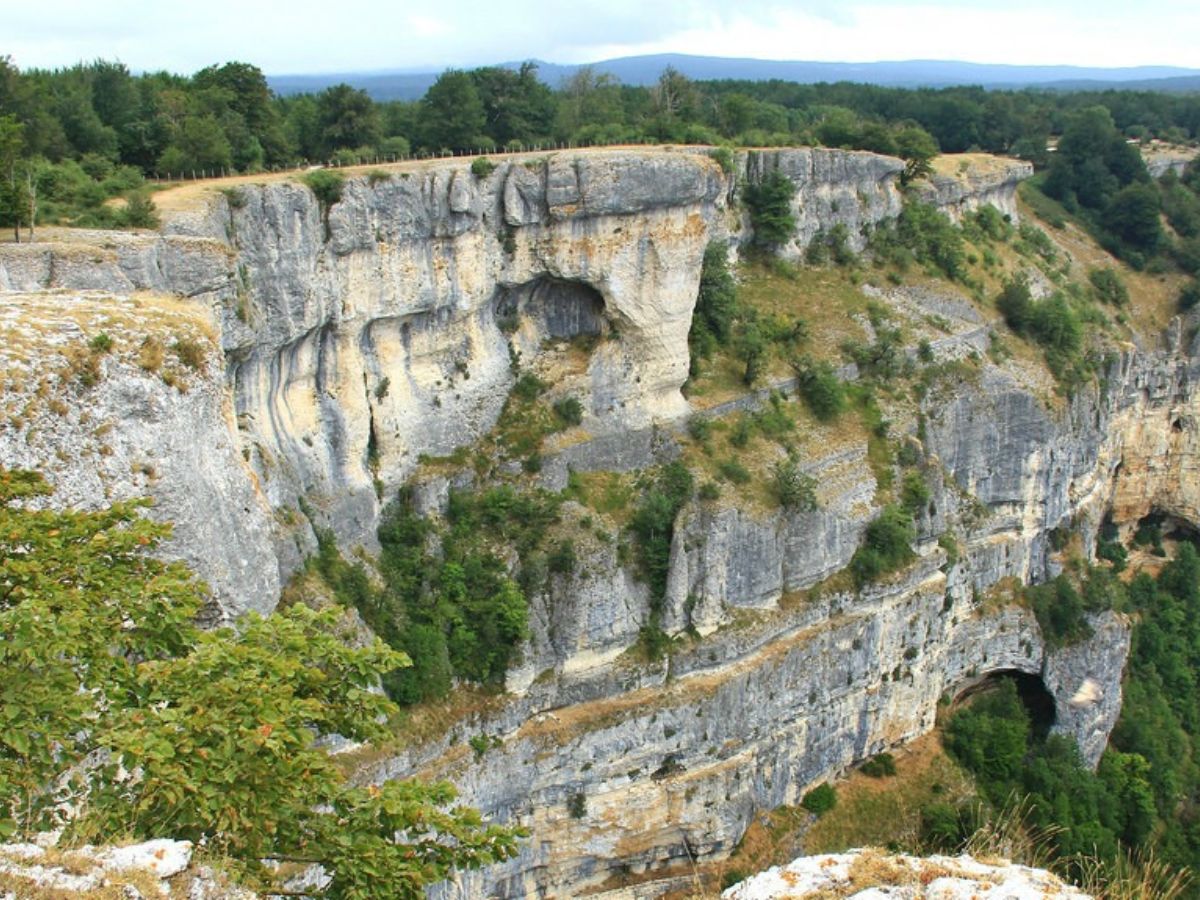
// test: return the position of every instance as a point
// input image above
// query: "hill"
(409, 84)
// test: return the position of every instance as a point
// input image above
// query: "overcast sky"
(340, 35)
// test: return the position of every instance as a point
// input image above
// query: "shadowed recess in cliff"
(1032, 691)
(558, 308)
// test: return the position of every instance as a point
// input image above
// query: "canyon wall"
(342, 344)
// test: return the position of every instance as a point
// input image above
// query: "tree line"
(72, 138)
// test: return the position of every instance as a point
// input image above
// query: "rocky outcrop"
(874, 875)
(118, 397)
(962, 184)
(358, 338)
(833, 187)
(145, 871)
(672, 764)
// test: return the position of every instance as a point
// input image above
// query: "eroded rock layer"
(358, 336)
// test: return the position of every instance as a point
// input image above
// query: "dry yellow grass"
(886, 811)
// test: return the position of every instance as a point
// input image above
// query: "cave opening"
(1157, 526)
(1037, 700)
(560, 309)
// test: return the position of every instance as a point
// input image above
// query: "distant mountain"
(409, 84)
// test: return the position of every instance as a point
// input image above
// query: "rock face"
(871, 875)
(151, 869)
(359, 337)
(148, 416)
(356, 338)
(962, 184)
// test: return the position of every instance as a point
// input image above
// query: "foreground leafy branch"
(118, 717)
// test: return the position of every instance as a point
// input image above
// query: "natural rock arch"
(1039, 702)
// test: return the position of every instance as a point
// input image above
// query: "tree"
(770, 203)
(12, 142)
(452, 113)
(103, 674)
(346, 118)
(516, 105)
(1133, 217)
(917, 148)
(716, 305)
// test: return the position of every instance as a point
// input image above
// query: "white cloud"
(320, 35)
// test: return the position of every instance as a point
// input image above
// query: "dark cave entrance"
(560, 309)
(1036, 699)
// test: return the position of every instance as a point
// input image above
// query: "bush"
(734, 471)
(820, 799)
(139, 212)
(716, 306)
(820, 388)
(723, 157)
(528, 387)
(562, 561)
(1060, 612)
(1189, 296)
(931, 238)
(795, 490)
(886, 545)
(1114, 552)
(482, 167)
(570, 410)
(1109, 287)
(326, 185)
(653, 523)
(914, 493)
(882, 765)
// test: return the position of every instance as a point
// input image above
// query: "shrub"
(1114, 552)
(914, 493)
(734, 471)
(931, 238)
(723, 157)
(570, 410)
(562, 561)
(653, 523)
(1189, 296)
(886, 545)
(820, 388)
(716, 305)
(882, 765)
(699, 429)
(482, 167)
(139, 212)
(1060, 612)
(190, 352)
(100, 637)
(1108, 286)
(326, 185)
(577, 806)
(949, 543)
(101, 343)
(820, 799)
(528, 387)
(795, 490)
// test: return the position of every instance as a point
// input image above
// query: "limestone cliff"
(317, 353)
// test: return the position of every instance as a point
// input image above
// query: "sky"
(303, 36)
